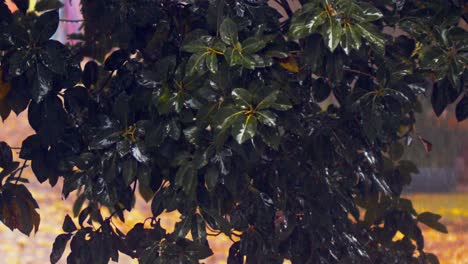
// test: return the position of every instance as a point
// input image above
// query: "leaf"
(59, 247)
(20, 62)
(68, 225)
(45, 26)
(320, 90)
(196, 63)
(129, 170)
(244, 128)
(268, 101)
(431, 258)
(115, 60)
(461, 111)
(44, 5)
(54, 57)
(228, 31)
(442, 95)
(6, 155)
(105, 139)
(375, 40)
(270, 137)
(242, 97)
(333, 36)
(427, 145)
(139, 152)
(305, 23)
(212, 62)
(289, 64)
(267, 118)
(199, 45)
(253, 45)
(42, 83)
(432, 220)
(186, 177)
(211, 177)
(198, 230)
(368, 12)
(90, 74)
(5, 87)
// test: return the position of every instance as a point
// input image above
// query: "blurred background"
(440, 187)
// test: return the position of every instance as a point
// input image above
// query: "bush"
(212, 108)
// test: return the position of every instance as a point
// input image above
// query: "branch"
(362, 73)
(71, 20)
(21, 171)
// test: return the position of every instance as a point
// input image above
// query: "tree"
(221, 110)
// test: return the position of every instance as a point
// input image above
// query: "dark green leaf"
(59, 247)
(432, 220)
(333, 34)
(461, 111)
(115, 60)
(45, 26)
(90, 74)
(321, 90)
(68, 225)
(252, 45)
(228, 31)
(44, 5)
(267, 118)
(242, 97)
(42, 83)
(244, 128)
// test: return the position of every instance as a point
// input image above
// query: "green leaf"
(333, 34)
(212, 62)
(375, 39)
(211, 177)
(59, 247)
(186, 177)
(270, 136)
(68, 225)
(282, 103)
(268, 101)
(244, 128)
(253, 45)
(129, 170)
(233, 57)
(105, 139)
(199, 45)
(242, 97)
(432, 220)
(267, 118)
(196, 63)
(198, 230)
(305, 23)
(228, 31)
(367, 13)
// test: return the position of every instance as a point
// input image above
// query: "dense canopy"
(280, 125)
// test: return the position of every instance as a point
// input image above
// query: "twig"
(21, 171)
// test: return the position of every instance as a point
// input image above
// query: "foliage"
(211, 108)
